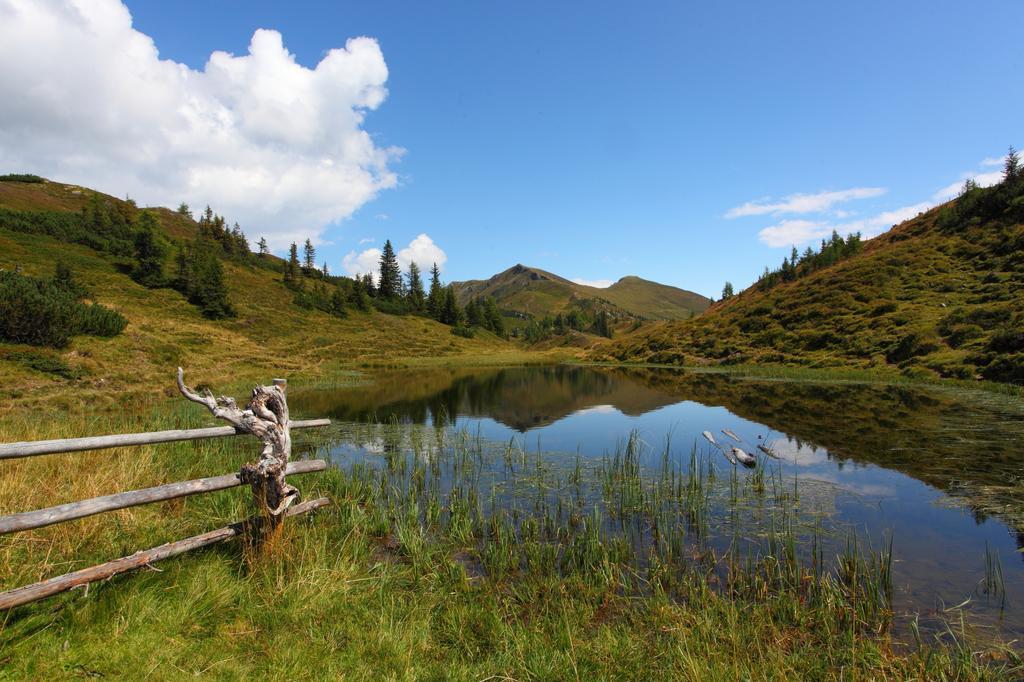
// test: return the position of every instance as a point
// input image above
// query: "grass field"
(377, 586)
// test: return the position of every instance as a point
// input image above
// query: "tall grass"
(446, 555)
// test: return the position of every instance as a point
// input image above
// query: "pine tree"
(389, 285)
(416, 296)
(239, 242)
(291, 268)
(264, 249)
(435, 299)
(310, 256)
(727, 291)
(451, 314)
(1011, 169)
(492, 318)
(324, 270)
(474, 314)
(149, 253)
(360, 298)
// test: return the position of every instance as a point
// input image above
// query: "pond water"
(934, 471)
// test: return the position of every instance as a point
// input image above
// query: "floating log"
(170, 491)
(768, 451)
(47, 447)
(745, 459)
(62, 583)
(710, 437)
(732, 435)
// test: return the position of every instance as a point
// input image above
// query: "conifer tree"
(1011, 169)
(262, 245)
(149, 253)
(291, 268)
(389, 285)
(324, 270)
(451, 314)
(310, 256)
(492, 317)
(184, 210)
(435, 299)
(416, 296)
(727, 291)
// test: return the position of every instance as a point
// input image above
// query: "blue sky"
(603, 139)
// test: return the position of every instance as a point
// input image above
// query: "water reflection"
(937, 469)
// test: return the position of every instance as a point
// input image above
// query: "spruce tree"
(1011, 169)
(310, 256)
(264, 249)
(149, 253)
(389, 285)
(435, 299)
(492, 317)
(451, 314)
(291, 268)
(727, 291)
(184, 210)
(416, 296)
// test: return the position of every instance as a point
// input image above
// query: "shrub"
(21, 177)
(463, 331)
(42, 313)
(46, 363)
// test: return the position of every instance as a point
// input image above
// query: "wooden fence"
(76, 510)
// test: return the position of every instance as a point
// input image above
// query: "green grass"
(414, 574)
(926, 299)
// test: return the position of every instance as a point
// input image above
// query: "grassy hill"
(270, 335)
(941, 294)
(536, 293)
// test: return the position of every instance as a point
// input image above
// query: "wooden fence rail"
(48, 447)
(97, 505)
(266, 418)
(62, 583)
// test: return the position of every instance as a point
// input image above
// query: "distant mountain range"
(534, 292)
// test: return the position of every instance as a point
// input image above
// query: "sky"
(686, 143)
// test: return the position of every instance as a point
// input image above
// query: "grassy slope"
(653, 300)
(884, 308)
(539, 293)
(270, 336)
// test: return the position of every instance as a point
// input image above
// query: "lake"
(935, 471)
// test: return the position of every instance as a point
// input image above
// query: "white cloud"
(366, 240)
(793, 232)
(596, 283)
(876, 225)
(982, 178)
(361, 263)
(422, 250)
(800, 232)
(803, 203)
(277, 146)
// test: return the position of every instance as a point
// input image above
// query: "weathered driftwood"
(744, 458)
(46, 588)
(47, 447)
(265, 417)
(97, 505)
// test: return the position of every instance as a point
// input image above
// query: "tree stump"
(266, 417)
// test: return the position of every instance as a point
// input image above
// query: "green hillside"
(535, 293)
(270, 333)
(939, 295)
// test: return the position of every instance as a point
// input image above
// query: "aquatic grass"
(447, 555)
